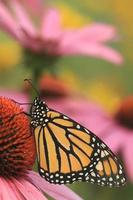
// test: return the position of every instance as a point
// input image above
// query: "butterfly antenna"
(30, 83)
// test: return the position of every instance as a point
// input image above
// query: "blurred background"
(81, 66)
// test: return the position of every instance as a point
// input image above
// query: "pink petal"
(6, 191)
(15, 190)
(51, 25)
(16, 96)
(128, 155)
(98, 124)
(7, 22)
(100, 32)
(90, 49)
(58, 192)
(28, 190)
(35, 5)
(114, 137)
(96, 32)
(23, 18)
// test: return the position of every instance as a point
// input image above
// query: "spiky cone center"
(124, 114)
(17, 147)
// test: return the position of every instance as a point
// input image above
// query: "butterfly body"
(68, 152)
(38, 112)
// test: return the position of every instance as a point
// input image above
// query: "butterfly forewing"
(68, 152)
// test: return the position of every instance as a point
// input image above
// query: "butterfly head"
(38, 112)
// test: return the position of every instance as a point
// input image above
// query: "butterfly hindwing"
(68, 152)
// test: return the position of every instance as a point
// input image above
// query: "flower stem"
(39, 64)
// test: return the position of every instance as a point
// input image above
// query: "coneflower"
(17, 156)
(49, 39)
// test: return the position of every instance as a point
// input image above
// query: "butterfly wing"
(68, 152)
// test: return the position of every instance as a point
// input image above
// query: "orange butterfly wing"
(68, 152)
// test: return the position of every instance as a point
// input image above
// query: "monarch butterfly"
(68, 152)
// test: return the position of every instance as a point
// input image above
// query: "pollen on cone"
(17, 147)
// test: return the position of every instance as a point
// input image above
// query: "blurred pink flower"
(17, 181)
(50, 38)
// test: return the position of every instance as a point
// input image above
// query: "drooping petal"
(50, 28)
(10, 25)
(7, 192)
(23, 19)
(7, 22)
(90, 49)
(58, 192)
(96, 32)
(28, 190)
(16, 191)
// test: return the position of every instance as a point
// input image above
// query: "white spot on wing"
(65, 117)
(42, 170)
(87, 130)
(93, 174)
(106, 153)
(117, 176)
(102, 154)
(78, 126)
(110, 179)
(95, 154)
(103, 145)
